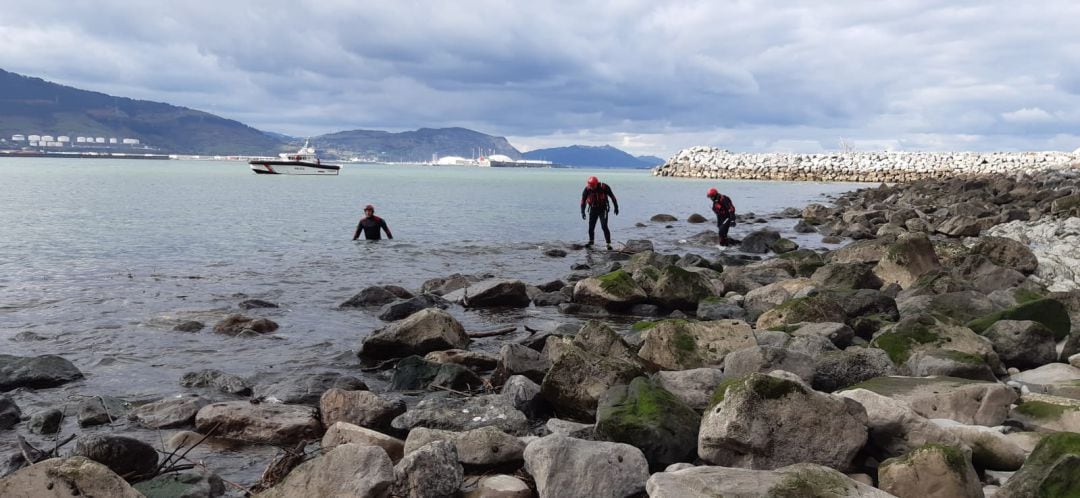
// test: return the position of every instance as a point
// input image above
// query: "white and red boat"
(303, 162)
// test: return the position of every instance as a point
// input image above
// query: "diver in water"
(371, 225)
(597, 196)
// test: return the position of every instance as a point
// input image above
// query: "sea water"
(100, 258)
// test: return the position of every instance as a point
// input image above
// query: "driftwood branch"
(280, 467)
(493, 333)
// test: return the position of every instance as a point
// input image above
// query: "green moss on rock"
(811, 482)
(764, 386)
(899, 341)
(1041, 410)
(643, 325)
(646, 415)
(617, 283)
(1051, 471)
(1023, 295)
(1049, 312)
(954, 457)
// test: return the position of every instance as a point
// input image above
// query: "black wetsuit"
(597, 201)
(725, 215)
(371, 225)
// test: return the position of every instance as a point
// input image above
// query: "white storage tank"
(35, 138)
(63, 138)
(99, 140)
(80, 140)
(112, 140)
(47, 138)
(18, 138)
(131, 141)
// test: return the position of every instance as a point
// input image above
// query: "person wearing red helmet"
(596, 197)
(725, 214)
(371, 225)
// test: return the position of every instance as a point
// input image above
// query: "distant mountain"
(35, 106)
(652, 160)
(419, 145)
(590, 156)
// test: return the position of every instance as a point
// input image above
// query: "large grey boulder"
(1022, 344)
(345, 433)
(766, 297)
(101, 410)
(1043, 412)
(839, 369)
(926, 332)
(270, 423)
(931, 471)
(415, 373)
(846, 276)
(524, 394)
(501, 486)
(431, 471)
(682, 345)
(494, 293)
(70, 477)
(990, 448)
(347, 470)
(1052, 469)
(764, 359)
(427, 330)
(126, 456)
(244, 326)
(947, 363)
(45, 421)
(966, 401)
(217, 380)
(585, 367)
(169, 413)
(906, 260)
(517, 359)
(10, 414)
(1008, 253)
(759, 241)
(694, 387)
(957, 307)
(716, 308)
(483, 447)
(799, 480)
(896, 429)
(363, 408)
(960, 226)
(403, 308)
(645, 415)
(679, 288)
(614, 291)
(462, 414)
(193, 483)
(571, 468)
(839, 333)
(370, 297)
(761, 422)
(302, 388)
(37, 372)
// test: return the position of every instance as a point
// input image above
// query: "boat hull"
(293, 168)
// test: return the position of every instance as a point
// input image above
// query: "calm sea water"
(101, 257)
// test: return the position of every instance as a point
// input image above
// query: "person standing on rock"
(597, 197)
(725, 215)
(371, 225)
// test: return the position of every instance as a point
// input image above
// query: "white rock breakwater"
(889, 167)
(1056, 243)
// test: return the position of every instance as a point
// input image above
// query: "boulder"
(101, 410)
(954, 307)
(127, 457)
(816, 214)
(783, 246)
(863, 251)
(371, 297)
(645, 415)
(1043, 412)
(925, 332)
(169, 413)
(45, 421)
(74, 476)
(682, 345)
(760, 422)
(1054, 378)
(477, 361)
(445, 285)
(896, 429)
(494, 293)
(932, 470)
(960, 226)
(799, 480)
(759, 241)
(1049, 312)
(517, 359)
(663, 218)
(415, 373)
(362, 408)
(10, 414)
(524, 394)
(906, 260)
(766, 297)
(478, 448)
(431, 471)
(694, 387)
(346, 470)
(403, 308)
(301, 388)
(838, 333)
(745, 279)
(427, 330)
(718, 308)
(990, 449)
(846, 276)
(269, 423)
(457, 414)
(245, 326)
(500, 486)
(839, 369)
(37, 372)
(189, 326)
(579, 377)
(696, 218)
(614, 291)
(764, 359)
(816, 308)
(194, 483)
(679, 288)
(634, 246)
(948, 363)
(966, 401)
(564, 466)
(804, 262)
(345, 433)
(217, 380)
(251, 304)
(1052, 469)
(1022, 344)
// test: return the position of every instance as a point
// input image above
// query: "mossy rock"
(617, 283)
(1051, 471)
(783, 246)
(1041, 410)
(643, 325)
(765, 386)
(899, 342)
(813, 482)
(819, 308)
(1047, 311)
(677, 288)
(1023, 295)
(805, 261)
(954, 457)
(651, 418)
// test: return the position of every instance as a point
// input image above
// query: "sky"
(650, 77)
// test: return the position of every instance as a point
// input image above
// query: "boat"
(303, 162)
(501, 161)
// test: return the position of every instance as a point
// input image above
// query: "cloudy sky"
(646, 76)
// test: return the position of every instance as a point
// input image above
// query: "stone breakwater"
(875, 167)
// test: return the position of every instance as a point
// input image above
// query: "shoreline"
(711, 334)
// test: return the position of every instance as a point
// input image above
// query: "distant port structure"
(61, 141)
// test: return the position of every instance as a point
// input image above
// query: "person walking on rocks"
(725, 215)
(597, 197)
(371, 225)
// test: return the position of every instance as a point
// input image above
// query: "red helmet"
(712, 193)
(369, 207)
(592, 181)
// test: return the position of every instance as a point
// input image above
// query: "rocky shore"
(874, 167)
(934, 352)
